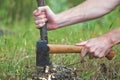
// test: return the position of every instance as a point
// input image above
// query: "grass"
(18, 44)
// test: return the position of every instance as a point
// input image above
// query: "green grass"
(18, 44)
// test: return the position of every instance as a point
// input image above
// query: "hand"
(42, 15)
(96, 47)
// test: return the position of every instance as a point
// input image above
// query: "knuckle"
(88, 45)
(45, 19)
(41, 16)
(96, 54)
(100, 56)
(40, 25)
(91, 50)
(37, 22)
(42, 20)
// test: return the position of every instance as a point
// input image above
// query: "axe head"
(42, 56)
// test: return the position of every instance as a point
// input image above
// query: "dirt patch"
(56, 73)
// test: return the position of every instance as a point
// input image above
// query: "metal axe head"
(42, 56)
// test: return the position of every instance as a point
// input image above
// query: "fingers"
(100, 53)
(87, 51)
(40, 22)
(93, 51)
(39, 10)
(84, 51)
(45, 14)
(40, 17)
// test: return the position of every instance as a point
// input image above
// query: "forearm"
(88, 10)
(113, 36)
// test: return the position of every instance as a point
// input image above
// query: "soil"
(56, 73)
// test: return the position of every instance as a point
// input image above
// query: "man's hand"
(96, 47)
(44, 14)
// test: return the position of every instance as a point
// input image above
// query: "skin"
(88, 10)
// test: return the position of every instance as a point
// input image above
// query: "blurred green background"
(18, 37)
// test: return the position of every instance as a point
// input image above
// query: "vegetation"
(18, 37)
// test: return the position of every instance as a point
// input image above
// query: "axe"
(42, 56)
(44, 49)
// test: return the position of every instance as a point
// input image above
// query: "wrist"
(109, 39)
(53, 23)
(59, 21)
(113, 36)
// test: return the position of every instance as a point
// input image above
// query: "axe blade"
(42, 56)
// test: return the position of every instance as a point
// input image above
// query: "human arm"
(101, 46)
(88, 10)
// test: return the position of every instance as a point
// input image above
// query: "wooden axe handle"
(58, 49)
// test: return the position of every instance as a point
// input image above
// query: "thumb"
(81, 43)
